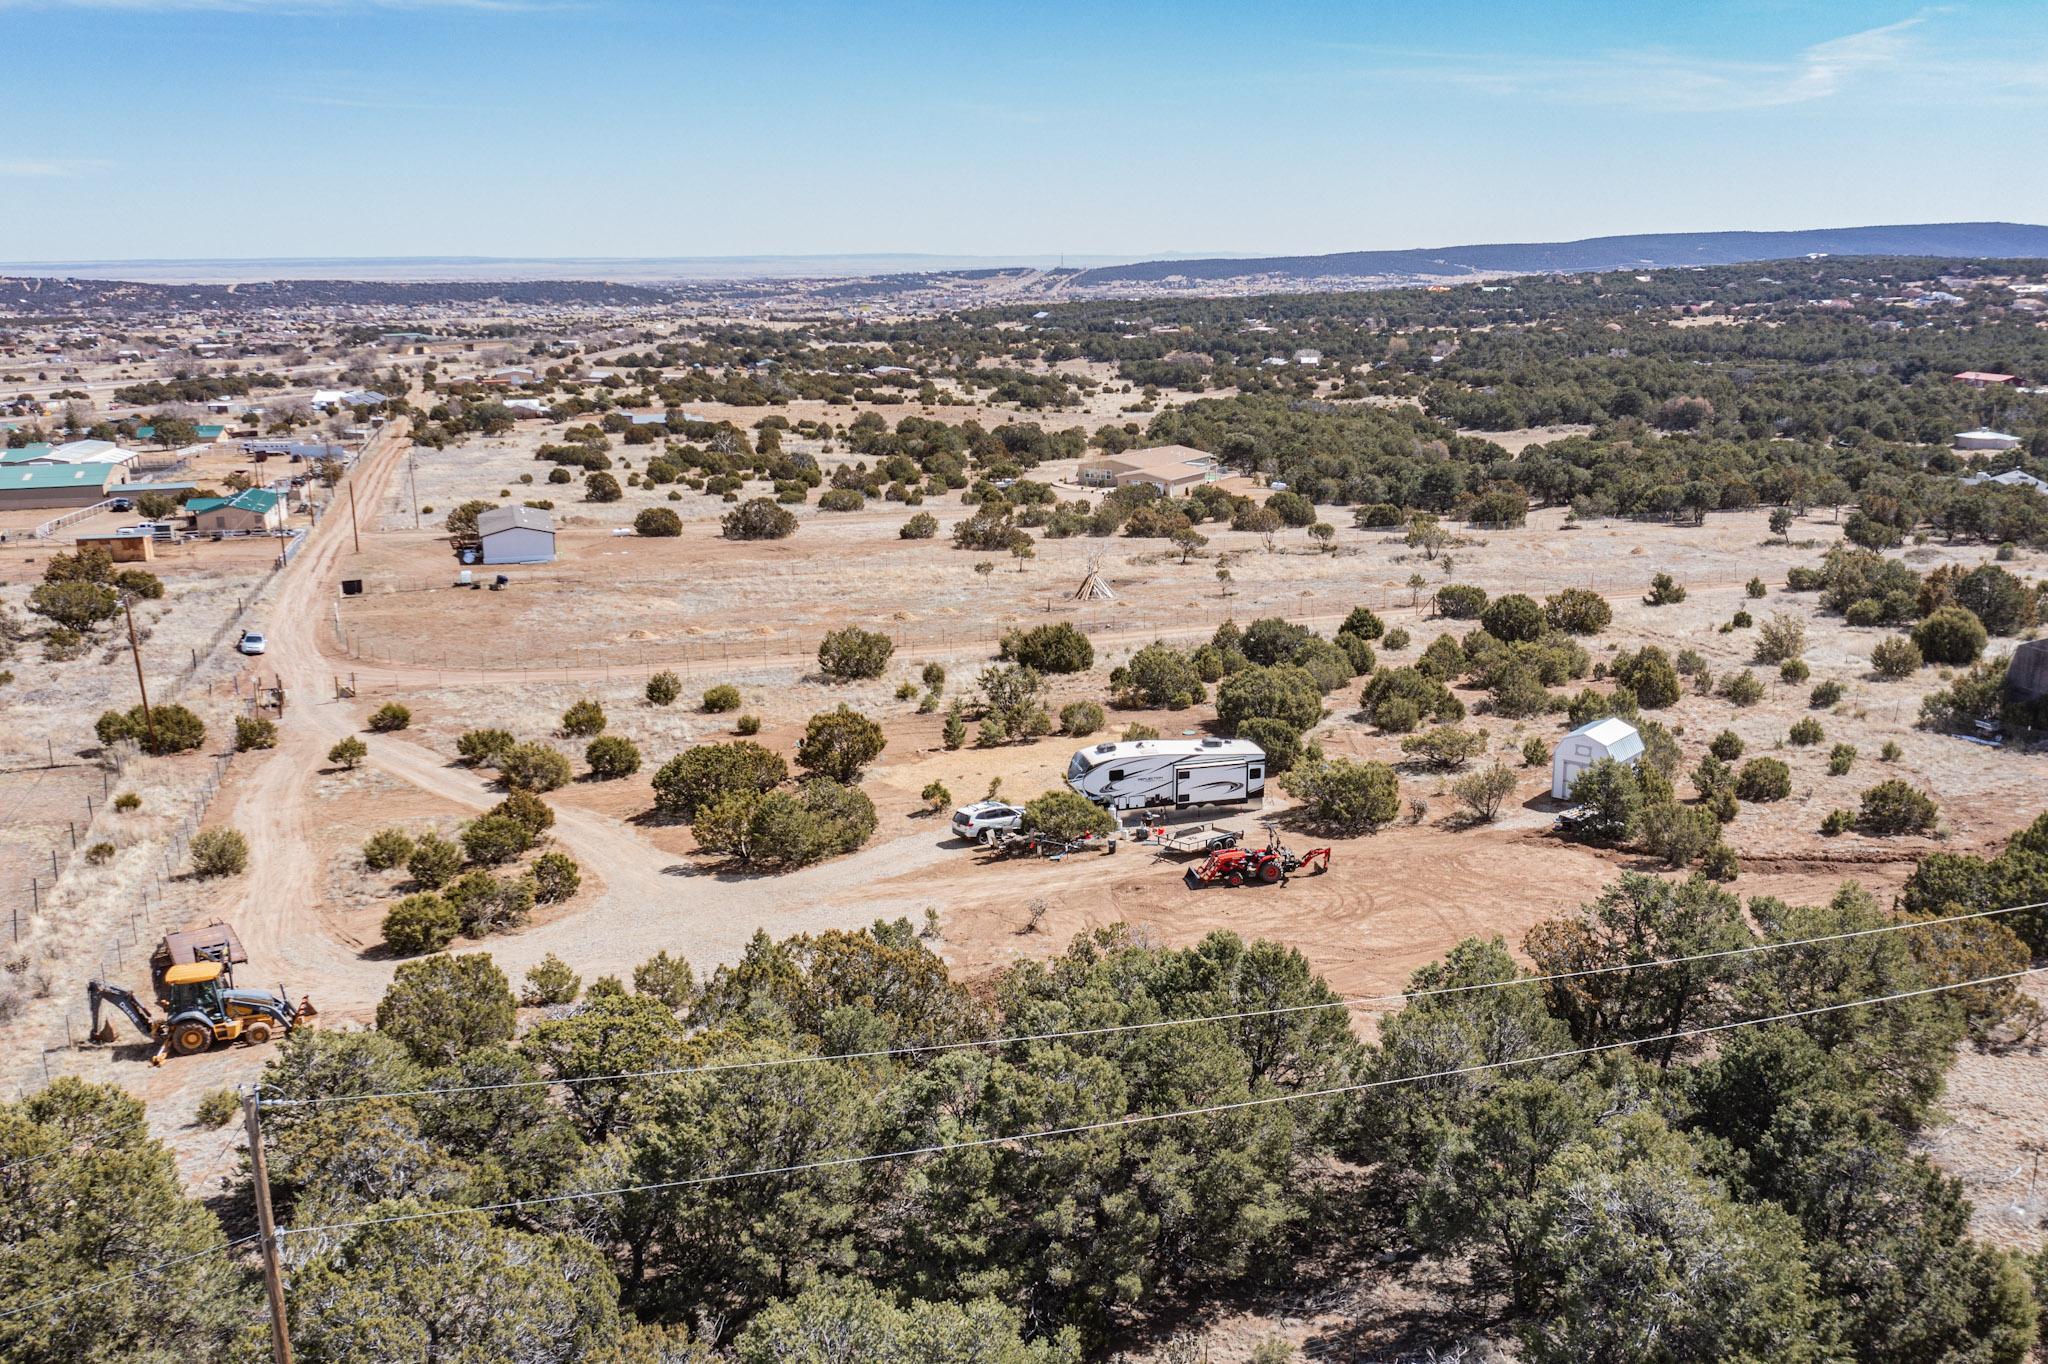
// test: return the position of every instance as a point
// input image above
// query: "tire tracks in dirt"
(651, 900)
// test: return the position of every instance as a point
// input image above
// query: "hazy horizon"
(629, 130)
(675, 269)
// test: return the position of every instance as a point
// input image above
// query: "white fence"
(51, 527)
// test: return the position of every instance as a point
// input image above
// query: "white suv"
(980, 821)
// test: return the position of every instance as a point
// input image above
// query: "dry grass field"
(613, 609)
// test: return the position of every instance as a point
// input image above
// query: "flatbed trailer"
(1196, 841)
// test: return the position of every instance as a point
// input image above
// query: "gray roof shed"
(2026, 677)
(511, 518)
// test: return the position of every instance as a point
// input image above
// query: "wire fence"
(131, 941)
(1112, 625)
(155, 902)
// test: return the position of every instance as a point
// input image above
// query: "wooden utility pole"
(148, 717)
(412, 480)
(266, 1224)
(354, 534)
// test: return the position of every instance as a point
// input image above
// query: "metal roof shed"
(516, 535)
(2026, 677)
(1588, 744)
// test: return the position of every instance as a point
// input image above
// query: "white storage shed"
(1589, 743)
(516, 535)
(1984, 438)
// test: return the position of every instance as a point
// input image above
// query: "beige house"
(1169, 468)
(255, 511)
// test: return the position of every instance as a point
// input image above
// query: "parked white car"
(981, 821)
(251, 643)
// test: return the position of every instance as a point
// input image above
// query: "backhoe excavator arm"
(100, 992)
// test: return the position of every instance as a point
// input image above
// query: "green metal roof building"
(57, 485)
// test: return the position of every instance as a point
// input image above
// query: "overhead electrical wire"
(1069, 1034)
(117, 1280)
(1076, 1129)
(1142, 1119)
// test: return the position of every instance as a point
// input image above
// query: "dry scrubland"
(612, 610)
(55, 782)
(50, 708)
(688, 599)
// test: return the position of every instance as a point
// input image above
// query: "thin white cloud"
(45, 167)
(1662, 80)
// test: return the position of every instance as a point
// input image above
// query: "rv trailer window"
(1258, 771)
(1116, 774)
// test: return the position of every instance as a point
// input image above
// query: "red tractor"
(1267, 866)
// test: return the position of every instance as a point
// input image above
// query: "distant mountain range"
(1642, 251)
(915, 282)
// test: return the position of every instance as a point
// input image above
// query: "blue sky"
(269, 128)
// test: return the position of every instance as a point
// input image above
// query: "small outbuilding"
(516, 535)
(2026, 680)
(1588, 744)
(124, 546)
(1984, 438)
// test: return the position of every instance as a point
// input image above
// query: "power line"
(718, 1067)
(119, 1279)
(1140, 1119)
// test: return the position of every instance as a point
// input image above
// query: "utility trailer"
(1196, 840)
(1144, 774)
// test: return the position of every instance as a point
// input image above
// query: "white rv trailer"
(1145, 773)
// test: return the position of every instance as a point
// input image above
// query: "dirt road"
(651, 901)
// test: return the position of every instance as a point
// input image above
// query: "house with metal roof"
(255, 510)
(296, 449)
(327, 399)
(57, 485)
(516, 535)
(1169, 468)
(1984, 438)
(2011, 478)
(206, 434)
(71, 452)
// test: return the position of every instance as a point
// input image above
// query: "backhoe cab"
(200, 1002)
